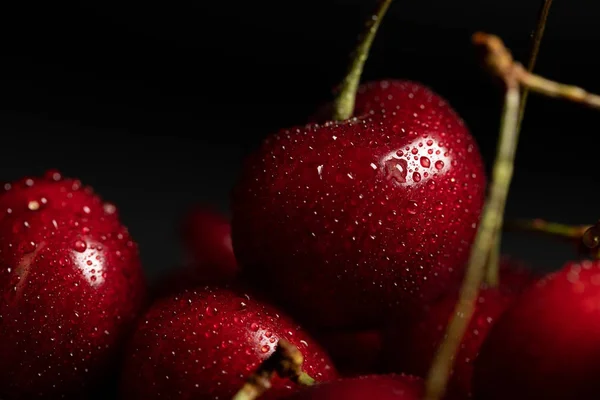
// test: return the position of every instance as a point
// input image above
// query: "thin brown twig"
(547, 228)
(499, 62)
(492, 277)
(286, 361)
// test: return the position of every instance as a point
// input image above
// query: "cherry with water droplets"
(410, 345)
(203, 343)
(71, 286)
(547, 344)
(338, 227)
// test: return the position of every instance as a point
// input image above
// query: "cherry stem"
(499, 61)
(493, 270)
(343, 104)
(489, 226)
(286, 361)
(553, 229)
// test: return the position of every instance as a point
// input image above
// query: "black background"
(155, 105)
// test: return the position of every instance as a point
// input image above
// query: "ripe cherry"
(380, 387)
(206, 236)
(209, 258)
(547, 344)
(342, 220)
(204, 343)
(71, 285)
(411, 345)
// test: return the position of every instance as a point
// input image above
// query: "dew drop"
(412, 207)
(425, 163)
(211, 311)
(439, 164)
(79, 246)
(33, 205)
(29, 247)
(396, 169)
(416, 177)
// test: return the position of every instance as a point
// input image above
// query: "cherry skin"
(53, 191)
(411, 345)
(204, 343)
(547, 344)
(353, 353)
(206, 236)
(71, 286)
(342, 220)
(209, 258)
(380, 387)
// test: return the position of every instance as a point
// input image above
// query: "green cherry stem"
(489, 225)
(492, 277)
(343, 104)
(547, 228)
(286, 361)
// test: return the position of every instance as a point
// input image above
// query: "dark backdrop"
(155, 105)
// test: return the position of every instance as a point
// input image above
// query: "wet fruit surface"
(341, 220)
(380, 387)
(410, 347)
(71, 284)
(547, 344)
(203, 344)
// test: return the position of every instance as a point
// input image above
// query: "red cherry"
(410, 347)
(204, 343)
(380, 387)
(547, 344)
(52, 191)
(206, 236)
(341, 220)
(353, 352)
(71, 285)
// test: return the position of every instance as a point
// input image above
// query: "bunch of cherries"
(336, 277)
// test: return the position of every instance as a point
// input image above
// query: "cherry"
(209, 258)
(203, 343)
(341, 220)
(380, 387)
(206, 236)
(354, 353)
(71, 285)
(547, 344)
(411, 345)
(53, 191)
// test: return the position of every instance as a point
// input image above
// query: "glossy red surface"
(411, 345)
(547, 344)
(380, 387)
(342, 220)
(203, 344)
(71, 285)
(206, 236)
